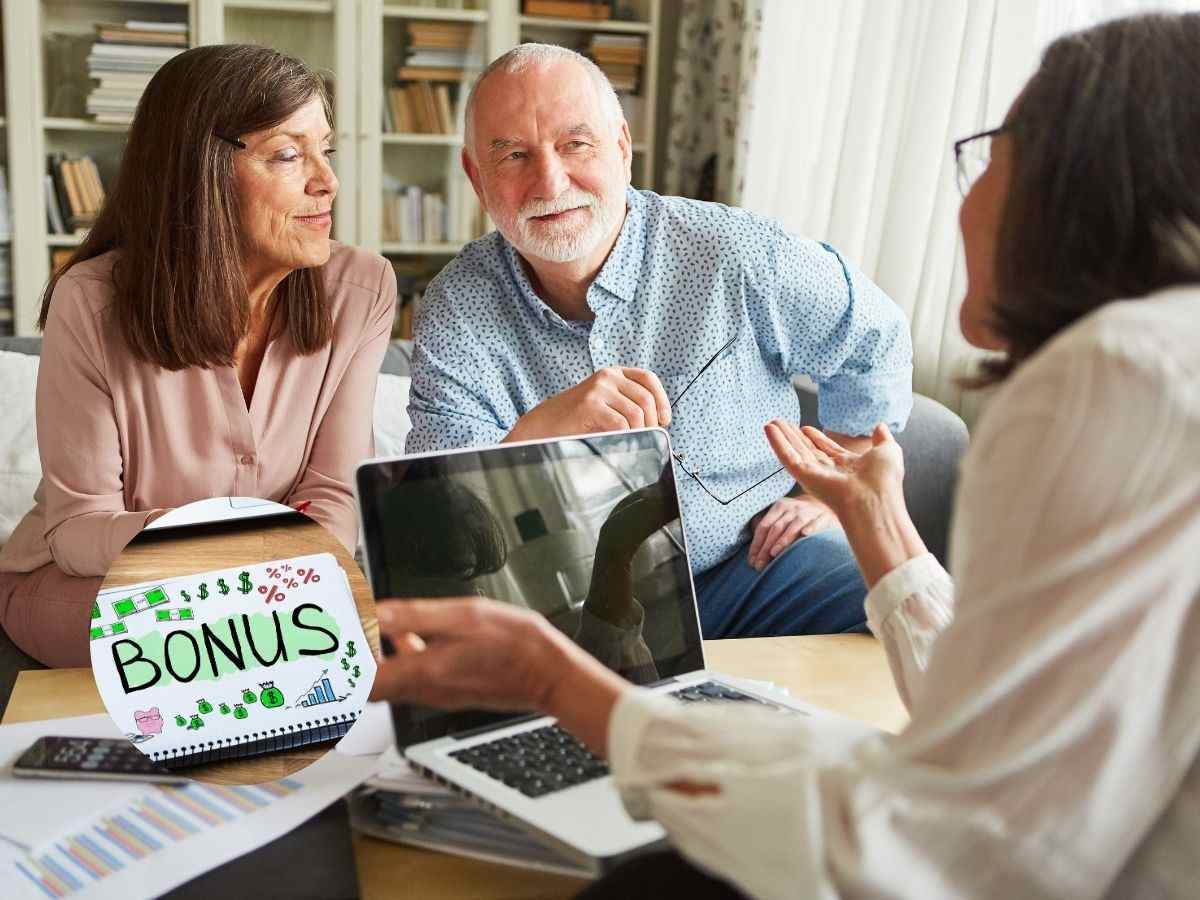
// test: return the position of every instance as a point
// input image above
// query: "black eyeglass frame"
(679, 457)
(963, 187)
(230, 140)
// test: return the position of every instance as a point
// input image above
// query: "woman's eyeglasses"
(679, 457)
(972, 155)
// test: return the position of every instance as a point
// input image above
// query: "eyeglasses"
(230, 140)
(972, 155)
(679, 458)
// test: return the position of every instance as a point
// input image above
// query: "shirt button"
(247, 459)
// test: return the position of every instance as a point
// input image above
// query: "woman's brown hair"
(1104, 194)
(180, 297)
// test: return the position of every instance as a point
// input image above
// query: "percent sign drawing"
(273, 594)
(308, 575)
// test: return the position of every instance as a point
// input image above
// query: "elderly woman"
(206, 339)
(1052, 685)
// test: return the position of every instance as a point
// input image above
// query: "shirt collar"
(621, 272)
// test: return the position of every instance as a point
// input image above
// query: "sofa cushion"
(20, 468)
(391, 414)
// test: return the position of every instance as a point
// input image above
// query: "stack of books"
(74, 193)
(440, 51)
(124, 59)
(620, 57)
(589, 10)
(439, 58)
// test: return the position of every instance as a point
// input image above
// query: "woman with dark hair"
(206, 339)
(1052, 685)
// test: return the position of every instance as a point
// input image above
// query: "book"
(443, 59)
(232, 662)
(430, 73)
(54, 217)
(568, 9)
(78, 212)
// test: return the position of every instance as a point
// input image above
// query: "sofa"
(933, 442)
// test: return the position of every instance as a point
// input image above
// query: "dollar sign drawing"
(180, 721)
(204, 706)
(203, 591)
(248, 696)
(357, 672)
(186, 596)
(350, 651)
(345, 665)
(222, 586)
(224, 709)
(244, 584)
(351, 680)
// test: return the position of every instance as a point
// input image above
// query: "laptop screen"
(585, 531)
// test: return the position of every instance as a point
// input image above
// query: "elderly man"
(596, 307)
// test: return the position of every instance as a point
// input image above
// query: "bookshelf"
(357, 45)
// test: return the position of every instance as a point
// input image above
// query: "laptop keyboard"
(549, 759)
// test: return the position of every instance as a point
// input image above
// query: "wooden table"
(847, 674)
(155, 556)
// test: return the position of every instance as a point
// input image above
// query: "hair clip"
(230, 140)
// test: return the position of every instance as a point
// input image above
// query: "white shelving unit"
(354, 43)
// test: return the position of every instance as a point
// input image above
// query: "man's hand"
(784, 522)
(613, 399)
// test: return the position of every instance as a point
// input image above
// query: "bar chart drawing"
(320, 692)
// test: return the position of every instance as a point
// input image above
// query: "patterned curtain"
(715, 62)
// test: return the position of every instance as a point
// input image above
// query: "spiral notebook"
(232, 662)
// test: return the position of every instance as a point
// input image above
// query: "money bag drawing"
(271, 696)
(148, 721)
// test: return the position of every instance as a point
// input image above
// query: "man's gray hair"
(522, 57)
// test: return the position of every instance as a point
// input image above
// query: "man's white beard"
(557, 242)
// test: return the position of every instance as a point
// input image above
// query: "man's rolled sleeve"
(846, 334)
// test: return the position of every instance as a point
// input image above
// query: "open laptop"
(542, 524)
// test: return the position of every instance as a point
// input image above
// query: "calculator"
(101, 758)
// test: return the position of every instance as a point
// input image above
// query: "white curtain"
(875, 94)
(852, 119)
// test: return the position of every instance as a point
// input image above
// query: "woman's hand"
(839, 477)
(480, 654)
(866, 490)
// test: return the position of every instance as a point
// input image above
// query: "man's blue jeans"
(812, 587)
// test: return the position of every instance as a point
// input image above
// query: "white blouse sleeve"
(1049, 723)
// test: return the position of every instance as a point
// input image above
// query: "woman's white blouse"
(1053, 687)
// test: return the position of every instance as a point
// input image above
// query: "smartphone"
(112, 759)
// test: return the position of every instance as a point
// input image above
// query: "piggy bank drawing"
(148, 721)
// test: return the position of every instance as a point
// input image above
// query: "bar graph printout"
(169, 834)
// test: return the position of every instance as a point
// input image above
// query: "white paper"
(231, 655)
(319, 785)
(372, 734)
(35, 809)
